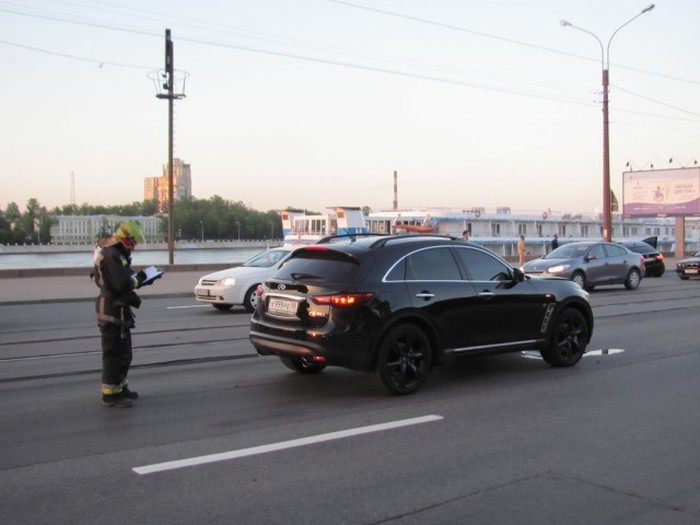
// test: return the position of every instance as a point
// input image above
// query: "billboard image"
(661, 193)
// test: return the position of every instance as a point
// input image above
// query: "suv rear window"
(319, 265)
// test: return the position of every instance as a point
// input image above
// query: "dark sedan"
(397, 305)
(653, 259)
(689, 267)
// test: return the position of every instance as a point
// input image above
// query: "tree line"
(194, 219)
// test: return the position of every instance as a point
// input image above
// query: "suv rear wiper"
(300, 276)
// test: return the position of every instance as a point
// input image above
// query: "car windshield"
(267, 258)
(568, 251)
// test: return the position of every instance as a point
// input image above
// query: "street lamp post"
(238, 224)
(201, 223)
(605, 65)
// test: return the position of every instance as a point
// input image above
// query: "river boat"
(500, 228)
(299, 229)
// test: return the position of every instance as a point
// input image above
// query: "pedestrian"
(555, 242)
(465, 235)
(117, 282)
(521, 251)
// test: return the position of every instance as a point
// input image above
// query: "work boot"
(129, 394)
(116, 400)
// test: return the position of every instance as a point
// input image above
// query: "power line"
(339, 63)
(73, 57)
(282, 40)
(657, 102)
(502, 39)
(283, 55)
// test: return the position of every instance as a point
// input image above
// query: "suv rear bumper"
(268, 344)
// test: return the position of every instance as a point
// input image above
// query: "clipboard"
(152, 273)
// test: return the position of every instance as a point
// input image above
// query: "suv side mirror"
(518, 275)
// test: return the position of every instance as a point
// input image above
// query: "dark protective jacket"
(116, 281)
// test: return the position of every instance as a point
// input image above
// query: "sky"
(315, 103)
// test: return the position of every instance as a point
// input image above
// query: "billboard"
(661, 193)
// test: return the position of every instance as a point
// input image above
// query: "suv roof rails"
(352, 236)
(388, 238)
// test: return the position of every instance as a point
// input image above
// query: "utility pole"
(166, 90)
(169, 71)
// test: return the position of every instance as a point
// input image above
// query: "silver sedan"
(591, 264)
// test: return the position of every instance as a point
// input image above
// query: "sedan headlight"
(558, 268)
(226, 281)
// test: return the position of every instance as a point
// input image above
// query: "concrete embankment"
(152, 246)
(65, 272)
(75, 284)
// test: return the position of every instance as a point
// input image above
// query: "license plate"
(201, 291)
(279, 306)
(692, 271)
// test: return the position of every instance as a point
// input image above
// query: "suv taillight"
(343, 299)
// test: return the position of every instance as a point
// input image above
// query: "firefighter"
(117, 282)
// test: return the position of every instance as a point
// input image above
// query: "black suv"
(398, 305)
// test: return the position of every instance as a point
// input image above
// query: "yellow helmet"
(130, 234)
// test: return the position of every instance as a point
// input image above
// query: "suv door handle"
(486, 294)
(425, 295)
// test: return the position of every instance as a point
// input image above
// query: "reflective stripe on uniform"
(110, 390)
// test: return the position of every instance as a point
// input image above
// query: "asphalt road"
(220, 435)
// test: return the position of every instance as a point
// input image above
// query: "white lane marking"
(534, 354)
(604, 351)
(274, 447)
(188, 306)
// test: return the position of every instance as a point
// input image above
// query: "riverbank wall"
(153, 246)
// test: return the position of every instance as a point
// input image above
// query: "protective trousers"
(116, 357)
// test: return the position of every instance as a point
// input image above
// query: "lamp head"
(648, 8)
(564, 23)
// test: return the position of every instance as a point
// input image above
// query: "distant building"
(86, 229)
(156, 188)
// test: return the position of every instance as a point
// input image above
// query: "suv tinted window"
(398, 272)
(326, 265)
(435, 264)
(480, 266)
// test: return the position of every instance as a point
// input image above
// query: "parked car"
(653, 259)
(590, 264)
(238, 285)
(689, 267)
(398, 305)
